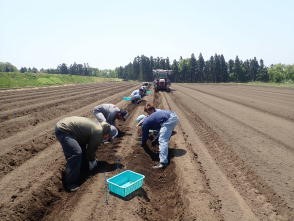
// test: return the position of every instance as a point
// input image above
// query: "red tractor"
(161, 80)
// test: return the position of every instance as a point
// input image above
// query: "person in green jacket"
(80, 138)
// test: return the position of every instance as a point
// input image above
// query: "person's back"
(136, 96)
(80, 138)
(109, 112)
(83, 129)
(135, 92)
(106, 109)
(154, 122)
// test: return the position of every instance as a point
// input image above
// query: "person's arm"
(93, 144)
(100, 117)
(133, 93)
(145, 133)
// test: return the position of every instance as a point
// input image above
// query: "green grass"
(289, 84)
(19, 80)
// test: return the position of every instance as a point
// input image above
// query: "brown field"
(231, 159)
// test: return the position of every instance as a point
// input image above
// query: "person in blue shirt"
(163, 121)
(136, 96)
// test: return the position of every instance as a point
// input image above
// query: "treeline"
(193, 69)
(141, 68)
(7, 67)
(281, 73)
(74, 69)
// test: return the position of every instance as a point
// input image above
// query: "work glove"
(92, 164)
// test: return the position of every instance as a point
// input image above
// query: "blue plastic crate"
(125, 183)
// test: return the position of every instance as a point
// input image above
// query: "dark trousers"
(74, 154)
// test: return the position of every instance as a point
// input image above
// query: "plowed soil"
(232, 157)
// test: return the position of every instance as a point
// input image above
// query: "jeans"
(164, 136)
(73, 153)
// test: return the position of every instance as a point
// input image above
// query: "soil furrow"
(17, 93)
(231, 158)
(254, 188)
(240, 112)
(43, 113)
(278, 109)
(6, 115)
(30, 99)
(20, 147)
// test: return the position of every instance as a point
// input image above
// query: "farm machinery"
(161, 80)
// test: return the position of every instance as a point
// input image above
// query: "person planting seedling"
(80, 138)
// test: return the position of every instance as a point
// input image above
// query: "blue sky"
(110, 33)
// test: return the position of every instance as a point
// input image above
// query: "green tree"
(253, 69)
(175, 69)
(23, 70)
(290, 72)
(192, 69)
(277, 73)
(224, 69)
(62, 69)
(73, 68)
(201, 68)
(262, 73)
(231, 74)
(7, 67)
(136, 69)
(183, 70)
(246, 71)
(35, 70)
(210, 70)
(217, 69)
(237, 76)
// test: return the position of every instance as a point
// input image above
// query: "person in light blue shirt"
(136, 96)
(163, 121)
(109, 113)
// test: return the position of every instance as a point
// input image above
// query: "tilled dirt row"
(24, 139)
(28, 159)
(258, 98)
(18, 110)
(247, 153)
(32, 115)
(32, 161)
(23, 98)
(229, 160)
(9, 95)
(159, 199)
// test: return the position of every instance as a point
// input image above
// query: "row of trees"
(141, 68)
(74, 69)
(29, 70)
(192, 69)
(216, 69)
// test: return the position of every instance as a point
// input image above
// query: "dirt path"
(231, 159)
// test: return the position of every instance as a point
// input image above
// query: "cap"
(109, 129)
(140, 118)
